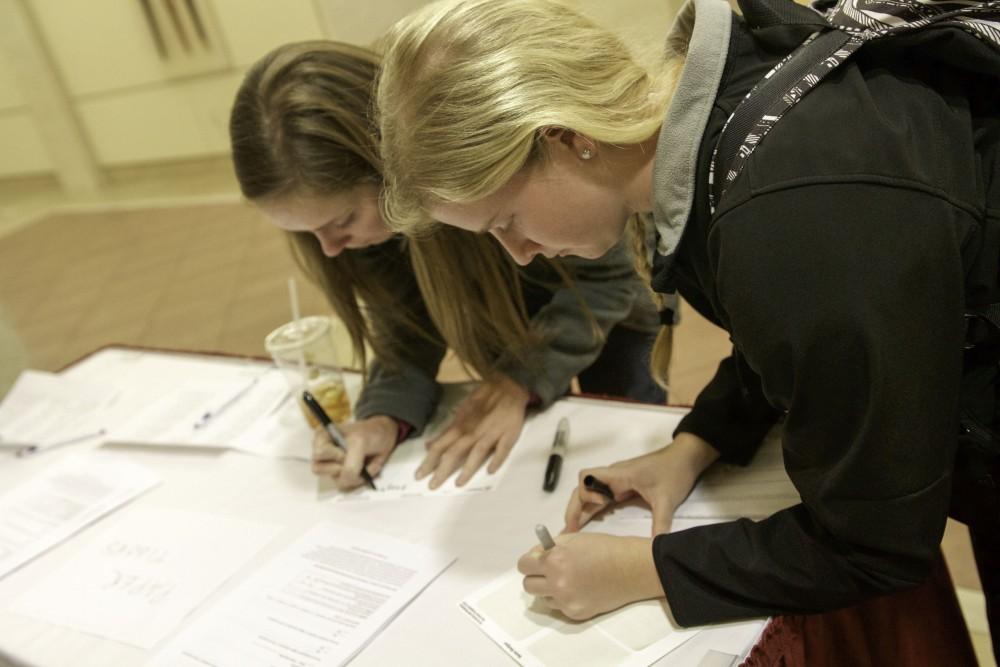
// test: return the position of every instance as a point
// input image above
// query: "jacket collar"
(706, 44)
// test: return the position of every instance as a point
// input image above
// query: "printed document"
(528, 631)
(46, 510)
(319, 602)
(137, 581)
(636, 635)
(46, 409)
(397, 479)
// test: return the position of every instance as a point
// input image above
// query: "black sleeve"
(731, 412)
(847, 301)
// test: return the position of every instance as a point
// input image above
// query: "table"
(486, 532)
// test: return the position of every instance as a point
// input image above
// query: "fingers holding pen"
(369, 441)
(324, 452)
(592, 496)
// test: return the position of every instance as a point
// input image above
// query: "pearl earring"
(586, 154)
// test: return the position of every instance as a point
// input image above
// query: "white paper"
(636, 635)
(44, 409)
(729, 492)
(281, 433)
(397, 479)
(137, 581)
(49, 508)
(167, 394)
(319, 602)
(234, 404)
(533, 635)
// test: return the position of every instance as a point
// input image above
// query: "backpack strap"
(767, 102)
(879, 18)
(840, 31)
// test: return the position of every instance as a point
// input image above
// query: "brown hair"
(467, 86)
(302, 124)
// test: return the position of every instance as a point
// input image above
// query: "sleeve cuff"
(405, 428)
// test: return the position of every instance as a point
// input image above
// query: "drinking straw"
(293, 298)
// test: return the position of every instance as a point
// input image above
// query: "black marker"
(556, 457)
(594, 484)
(336, 437)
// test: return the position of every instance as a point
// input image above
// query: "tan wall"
(125, 104)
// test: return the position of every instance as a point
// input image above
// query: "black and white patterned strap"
(879, 18)
(763, 106)
(856, 22)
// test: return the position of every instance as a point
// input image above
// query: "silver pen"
(35, 449)
(212, 414)
(544, 537)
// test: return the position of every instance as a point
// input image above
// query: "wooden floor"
(212, 277)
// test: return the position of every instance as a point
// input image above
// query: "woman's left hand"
(489, 420)
(587, 574)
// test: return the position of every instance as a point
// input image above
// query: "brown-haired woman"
(305, 154)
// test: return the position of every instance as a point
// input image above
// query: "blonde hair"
(301, 124)
(466, 86)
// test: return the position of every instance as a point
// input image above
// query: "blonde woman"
(840, 262)
(305, 155)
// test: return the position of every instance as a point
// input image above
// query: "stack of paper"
(132, 397)
(137, 581)
(53, 506)
(319, 602)
(45, 409)
(636, 635)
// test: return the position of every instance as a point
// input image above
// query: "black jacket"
(840, 261)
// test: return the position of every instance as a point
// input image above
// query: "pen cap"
(562, 437)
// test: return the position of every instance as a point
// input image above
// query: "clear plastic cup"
(305, 353)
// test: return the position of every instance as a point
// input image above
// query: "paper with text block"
(397, 479)
(44, 409)
(136, 582)
(319, 602)
(72, 494)
(636, 635)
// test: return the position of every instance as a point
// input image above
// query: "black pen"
(556, 457)
(336, 437)
(600, 487)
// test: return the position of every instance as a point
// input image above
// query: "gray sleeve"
(611, 290)
(408, 394)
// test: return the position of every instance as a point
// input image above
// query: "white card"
(137, 581)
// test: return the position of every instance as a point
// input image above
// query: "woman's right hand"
(663, 479)
(370, 440)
